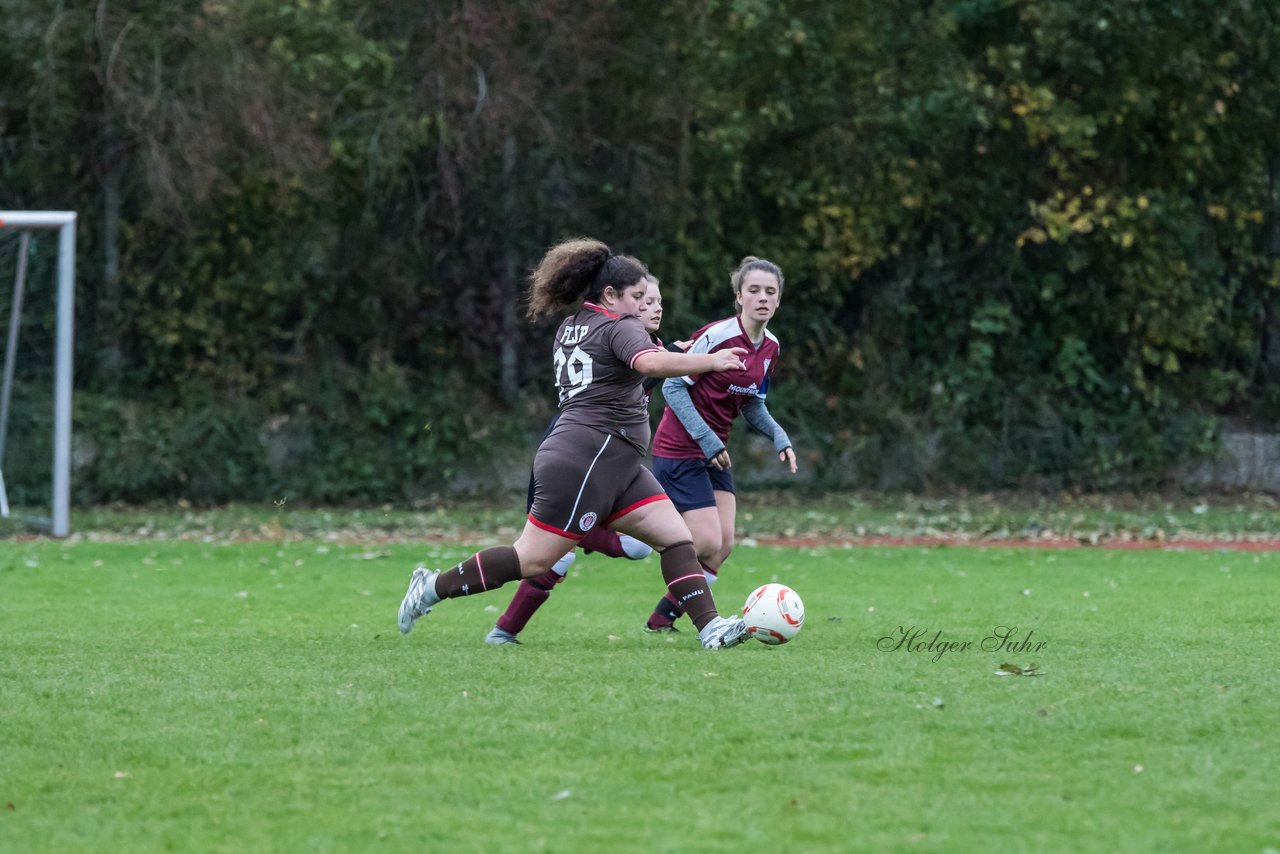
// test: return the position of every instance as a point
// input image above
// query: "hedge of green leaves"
(1025, 242)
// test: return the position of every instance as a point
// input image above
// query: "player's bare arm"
(663, 363)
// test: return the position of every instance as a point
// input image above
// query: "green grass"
(216, 696)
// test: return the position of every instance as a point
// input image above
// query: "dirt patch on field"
(1243, 544)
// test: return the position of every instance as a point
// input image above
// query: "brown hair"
(579, 268)
(751, 262)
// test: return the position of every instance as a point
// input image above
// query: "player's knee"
(678, 546)
(709, 548)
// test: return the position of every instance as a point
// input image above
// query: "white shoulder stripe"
(716, 334)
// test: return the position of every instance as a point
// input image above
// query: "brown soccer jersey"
(588, 469)
(594, 353)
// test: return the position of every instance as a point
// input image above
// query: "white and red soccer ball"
(773, 613)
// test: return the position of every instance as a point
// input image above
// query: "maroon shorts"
(583, 477)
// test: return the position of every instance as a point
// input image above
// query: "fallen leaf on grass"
(1010, 669)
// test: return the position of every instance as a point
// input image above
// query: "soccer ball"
(774, 614)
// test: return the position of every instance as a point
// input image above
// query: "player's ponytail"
(576, 269)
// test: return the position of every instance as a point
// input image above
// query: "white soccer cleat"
(633, 548)
(499, 636)
(418, 599)
(722, 632)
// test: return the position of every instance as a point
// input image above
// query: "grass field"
(224, 696)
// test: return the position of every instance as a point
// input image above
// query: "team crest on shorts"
(588, 521)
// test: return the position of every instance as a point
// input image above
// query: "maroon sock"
(602, 540)
(686, 583)
(665, 613)
(486, 570)
(529, 597)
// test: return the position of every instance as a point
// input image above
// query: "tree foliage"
(1026, 241)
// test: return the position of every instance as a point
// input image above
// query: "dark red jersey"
(719, 395)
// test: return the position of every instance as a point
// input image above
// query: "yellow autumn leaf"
(1034, 234)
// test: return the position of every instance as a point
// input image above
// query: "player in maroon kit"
(589, 467)
(534, 592)
(690, 457)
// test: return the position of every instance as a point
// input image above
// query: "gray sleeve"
(676, 394)
(757, 415)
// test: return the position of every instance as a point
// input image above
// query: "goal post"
(64, 222)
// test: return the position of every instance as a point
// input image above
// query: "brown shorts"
(583, 477)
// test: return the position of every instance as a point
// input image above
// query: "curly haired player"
(533, 593)
(589, 468)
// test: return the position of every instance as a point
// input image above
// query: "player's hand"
(788, 456)
(728, 359)
(682, 346)
(721, 461)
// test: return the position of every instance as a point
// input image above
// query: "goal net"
(37, 274)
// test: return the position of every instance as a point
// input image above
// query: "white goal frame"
(65, 224)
